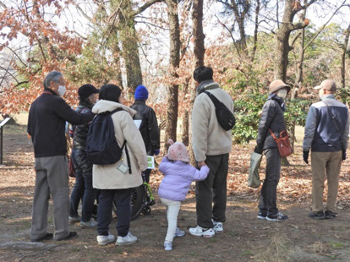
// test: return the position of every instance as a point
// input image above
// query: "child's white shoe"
(179, 233)
(218, 227)
(168, 245)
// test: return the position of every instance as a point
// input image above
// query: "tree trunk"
(129, 40)
(197, 23)
(343, 56)
(240, 14)
(256, 26)
(185, 116)
(173, 90)
(283, 48)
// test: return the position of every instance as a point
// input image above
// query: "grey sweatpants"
(211, 191)
(51, 178)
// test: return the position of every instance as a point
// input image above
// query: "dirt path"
(245, 238)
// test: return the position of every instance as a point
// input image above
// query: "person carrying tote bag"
(272, 117)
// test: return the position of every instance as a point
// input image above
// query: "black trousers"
(104, 213)
(268, 195)
(211, 193)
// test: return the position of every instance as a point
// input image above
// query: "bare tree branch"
(7, 71)
(19, 58)
(3, 5)
(298, 34)
(77, 6)
(321, 29)
(144, 7)
(230, 32)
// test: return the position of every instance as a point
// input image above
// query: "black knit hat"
(86, 90)
(110, 92)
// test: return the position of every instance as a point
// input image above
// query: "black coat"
(272, 117)
(81, 131)
(47, 118)
(149, 126)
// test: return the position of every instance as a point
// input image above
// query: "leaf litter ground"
(245, 238)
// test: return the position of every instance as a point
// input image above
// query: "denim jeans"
(83, 186)
(267, 203)
(104, 212)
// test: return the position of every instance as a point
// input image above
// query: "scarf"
(279, 100)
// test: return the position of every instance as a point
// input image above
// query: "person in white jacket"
(211, 147)
(114, 182)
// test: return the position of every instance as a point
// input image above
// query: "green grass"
(337, 245)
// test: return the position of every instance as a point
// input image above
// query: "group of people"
(46, 126)
(326, 134)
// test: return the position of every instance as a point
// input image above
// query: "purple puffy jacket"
(178, 177)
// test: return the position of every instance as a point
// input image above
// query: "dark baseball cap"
(86, 90)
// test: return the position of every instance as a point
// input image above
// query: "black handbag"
(225, 117)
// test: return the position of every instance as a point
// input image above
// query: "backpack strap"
(127, 156)
(124, 144)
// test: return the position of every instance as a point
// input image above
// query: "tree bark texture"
(283, 48)
(129, 40)
(343, 56)
(199, 51)
(198, 35)
(173, 90)
(241, 10)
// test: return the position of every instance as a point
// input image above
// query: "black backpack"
(101, 146)
(225, 117)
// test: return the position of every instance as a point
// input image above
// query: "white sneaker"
(218, 227)
(91, 223)
(179, 233)
(168, 245)
(127, 240)
(200, 231)
(104, 240)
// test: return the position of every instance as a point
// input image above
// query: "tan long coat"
(108, 176)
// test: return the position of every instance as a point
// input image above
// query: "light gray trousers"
(51, 178)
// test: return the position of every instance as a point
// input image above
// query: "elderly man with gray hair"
(46, 126)
(326, 134)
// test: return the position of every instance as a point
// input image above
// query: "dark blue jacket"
(321, 134)
(46, 124)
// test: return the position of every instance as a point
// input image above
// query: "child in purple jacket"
(178, 176)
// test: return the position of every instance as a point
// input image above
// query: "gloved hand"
(306, 156)
(258, 150)
(343, 154)
(156, 152)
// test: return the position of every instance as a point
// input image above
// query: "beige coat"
(208, 137)
(108, 176)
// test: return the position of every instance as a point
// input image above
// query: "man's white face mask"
(61, 90)
(282, 93)
(320, 93)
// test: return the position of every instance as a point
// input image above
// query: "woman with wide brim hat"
(272, 117)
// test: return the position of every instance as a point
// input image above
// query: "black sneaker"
(277, 217)
(329, 214)
(71, 235)
(48, 236)
(262, 215)
(317, 215)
